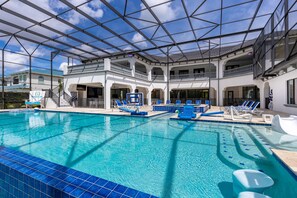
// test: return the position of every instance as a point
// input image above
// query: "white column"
(107, 88)
(132, 88)
(221, 92)
(165, 94)
(132, 66)
(216, 64)
(107, 64)
(149, 73)
(217, 97)
(221, 69)
(149, 97)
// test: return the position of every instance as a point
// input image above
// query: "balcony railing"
(141, 75)
(77, 69)
(194, 76)
(121, 70)
(157, 77)
(238, 71)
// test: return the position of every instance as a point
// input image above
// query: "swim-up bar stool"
(250, 180)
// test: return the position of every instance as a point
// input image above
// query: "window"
(40, 80)
(94, 92)
(181, 72)
(231, 67)
(199, 70)
(15, 80)
(24, 78)
(172, 73)
(292, 91)
(251, 93)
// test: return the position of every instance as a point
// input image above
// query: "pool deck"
(288, 158)
(227, 118)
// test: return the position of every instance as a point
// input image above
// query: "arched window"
(15, 80)
(40, 80)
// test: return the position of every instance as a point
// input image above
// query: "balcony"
(141, 75)
(78, 69)
(158, 78)
(121, 70)
(239, 71)
(193, 76)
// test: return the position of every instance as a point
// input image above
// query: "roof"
(95, 29)
(40, 71)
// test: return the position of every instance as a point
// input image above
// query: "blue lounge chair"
(177, 102)
(119, 104)
(244, 103)
(254, 109)
(187, 113)
(198, 102)
(188, 102)
(168, 102)
(124, 102)
(159, 102)
(248, 106)
(207, 102)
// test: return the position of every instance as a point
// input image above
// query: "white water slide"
(286, 125)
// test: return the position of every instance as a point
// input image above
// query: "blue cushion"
(32, 103)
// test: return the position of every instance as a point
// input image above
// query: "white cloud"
(63, 66)
(13, 61)
(138, 39)
(164, 12)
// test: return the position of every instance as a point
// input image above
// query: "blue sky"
(172, 14)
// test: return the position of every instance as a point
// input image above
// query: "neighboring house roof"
(40, 71)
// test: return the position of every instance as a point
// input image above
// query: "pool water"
(162, 157)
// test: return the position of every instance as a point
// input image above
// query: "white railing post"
(107, 64)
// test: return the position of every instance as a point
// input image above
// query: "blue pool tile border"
(226, 122)
(23, 175)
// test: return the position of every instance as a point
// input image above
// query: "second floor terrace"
(137, 70)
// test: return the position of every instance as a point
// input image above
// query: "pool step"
(229, 153)
(246, 146)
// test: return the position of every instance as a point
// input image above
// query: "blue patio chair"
(198, 102)
(254, 109)
(187, 113)
(188, 102)
(248, 106)
(207, 102)
(239, 107)
(168, 102)
(124, 102)
(177, 102)
(119, 104)
(159, 102)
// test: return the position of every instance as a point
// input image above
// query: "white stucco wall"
(279, 87)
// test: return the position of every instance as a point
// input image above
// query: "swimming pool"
(163, 157)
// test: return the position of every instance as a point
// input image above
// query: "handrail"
(85, 68)
(239, 70)
(157, 77)
(193, 76)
